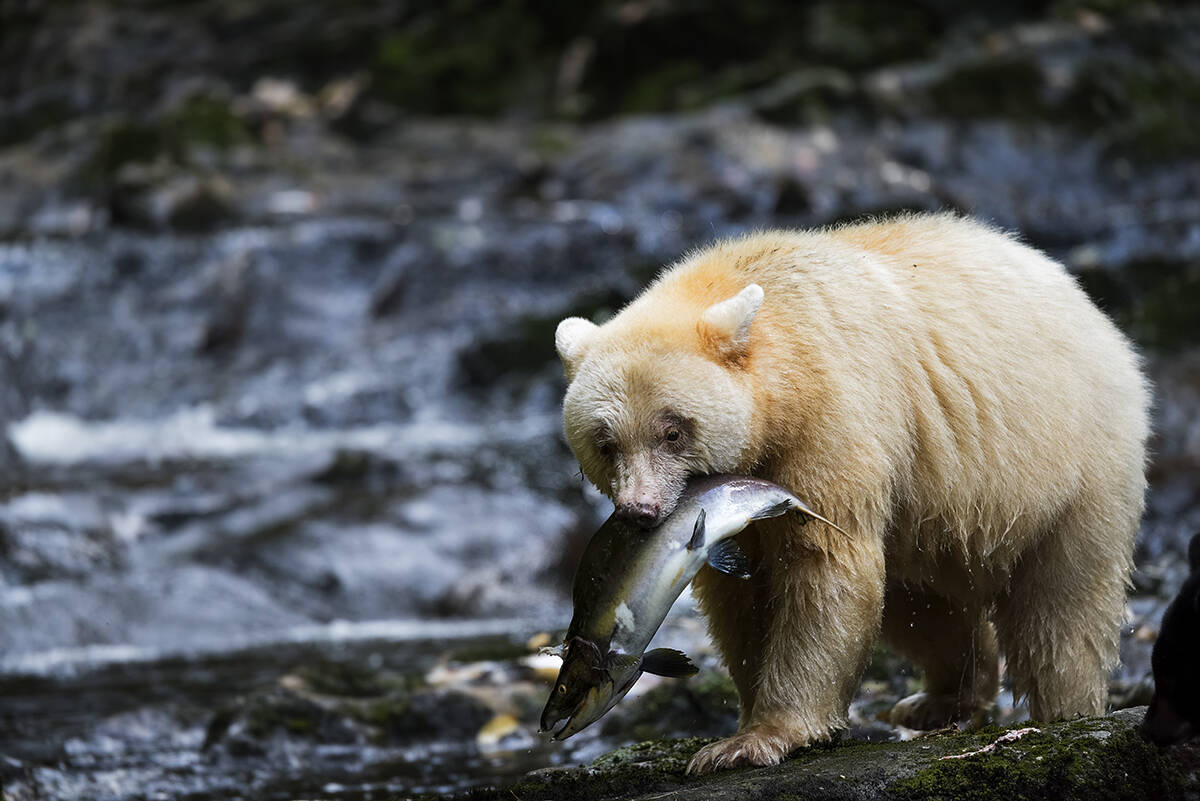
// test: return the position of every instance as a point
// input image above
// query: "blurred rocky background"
(285, 509)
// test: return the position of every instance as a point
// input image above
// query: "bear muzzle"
(643, 513)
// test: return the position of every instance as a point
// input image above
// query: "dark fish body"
(629, 577)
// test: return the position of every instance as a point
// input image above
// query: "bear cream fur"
(947, 395)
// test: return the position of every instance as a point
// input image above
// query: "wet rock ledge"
(1093, 758)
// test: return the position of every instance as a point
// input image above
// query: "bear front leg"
(822, 616)
(735, 624)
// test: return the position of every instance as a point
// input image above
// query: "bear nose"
(641, 514)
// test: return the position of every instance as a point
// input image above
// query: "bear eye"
(672, 435)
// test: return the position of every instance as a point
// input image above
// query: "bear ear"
(571, 339)
(726, 325)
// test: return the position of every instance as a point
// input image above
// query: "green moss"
(342, 678)
(40, 116)
(549, 142)
(125, 143)
(1153, 300)
(1094, 758)
(286, 711)
(468, 57)
(380, 712)
(527, 346)
(662, 88)
(1011, 88)
(1147, 108)
(1088, 761)
(1070, 9)
(203, 120)
(1165, 318)
(200, 121)
(667, 756)
(864, 34)
(498, 651)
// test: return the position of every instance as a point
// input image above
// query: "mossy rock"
(1154, 300)
(1010, 88)
(1148, 109)
(350, 679)
(705, 705)
(525, 347)
(283, 711)
(1090, 758)
(201, 121)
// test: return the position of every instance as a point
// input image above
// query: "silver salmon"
(629, 577)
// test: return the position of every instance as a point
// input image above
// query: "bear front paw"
(756, 745)
(926, 711)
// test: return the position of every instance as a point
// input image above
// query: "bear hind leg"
(954, 645)
(1059, 619)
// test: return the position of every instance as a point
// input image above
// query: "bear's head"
(1174, 713)
(658, 394)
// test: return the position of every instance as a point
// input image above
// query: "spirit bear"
(949, 397)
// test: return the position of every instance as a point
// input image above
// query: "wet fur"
(948, 396)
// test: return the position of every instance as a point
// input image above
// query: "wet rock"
(525, 347)
(194, 204)
(1147, 107)
(345, 678)
(441, 714)
(1093, 757)
(284, 712)
(362, 469)
(342, 703)
(702, 706)
(12, 468)
(391, 287)
(200, 123)
(231, 299)
(804, 97)
(187, 202)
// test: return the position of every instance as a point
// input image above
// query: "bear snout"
(644, 514)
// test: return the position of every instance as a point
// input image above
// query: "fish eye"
(562, 689)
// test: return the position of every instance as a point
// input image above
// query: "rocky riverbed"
(284, 504)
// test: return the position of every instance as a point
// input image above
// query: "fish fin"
(618, 661)
(668, 662)
(697, 533)
(800, 508)
(726, 557)
(809, 514)
(773, 511)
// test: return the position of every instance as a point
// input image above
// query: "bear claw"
(753, 746)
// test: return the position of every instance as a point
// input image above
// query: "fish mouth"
(558, 729)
